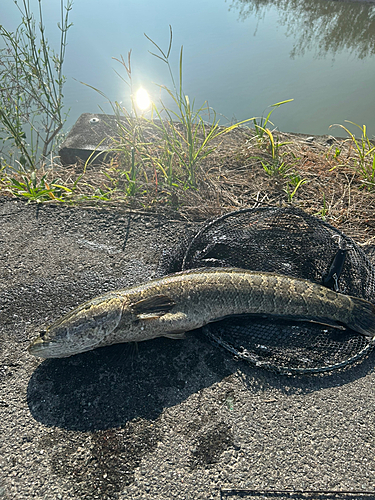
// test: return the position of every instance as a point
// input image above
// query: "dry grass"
(333, 189)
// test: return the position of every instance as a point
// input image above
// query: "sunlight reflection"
(142, 99)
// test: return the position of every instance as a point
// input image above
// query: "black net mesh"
(286, 241)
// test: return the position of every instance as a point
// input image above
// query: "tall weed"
(183, 136)
(31, 82)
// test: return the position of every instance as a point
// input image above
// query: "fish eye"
(42, 333)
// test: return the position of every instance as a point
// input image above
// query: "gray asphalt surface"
(163, 419)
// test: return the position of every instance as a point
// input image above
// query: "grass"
(278, 164)
(194, 141)
(323, 212)
(294, 183)
(31, 82)
(36, 187)
(261, 127)
(320, 181)
(275, 164)
(364, 163)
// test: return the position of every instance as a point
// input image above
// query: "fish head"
(79, 331)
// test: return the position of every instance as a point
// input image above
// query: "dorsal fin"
(157, 305)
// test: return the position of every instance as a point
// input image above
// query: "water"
(240, 55)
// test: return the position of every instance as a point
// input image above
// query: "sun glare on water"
(142, 99)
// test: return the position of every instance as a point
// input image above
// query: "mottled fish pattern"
(184, 301)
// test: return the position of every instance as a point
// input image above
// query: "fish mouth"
(43, 348)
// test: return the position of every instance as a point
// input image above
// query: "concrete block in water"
(91, 135)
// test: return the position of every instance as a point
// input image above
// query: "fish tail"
(363, 317)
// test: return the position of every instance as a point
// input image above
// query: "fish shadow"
(110, 386)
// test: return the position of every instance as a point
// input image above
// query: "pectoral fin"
(149, 316)
(153, 307)
(174, 335)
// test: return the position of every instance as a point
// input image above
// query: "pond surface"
(239, 55)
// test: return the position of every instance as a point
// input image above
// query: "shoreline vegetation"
(320, 174)
(188, 165)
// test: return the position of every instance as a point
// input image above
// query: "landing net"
(286, 241)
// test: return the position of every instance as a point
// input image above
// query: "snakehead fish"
(184, 301)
